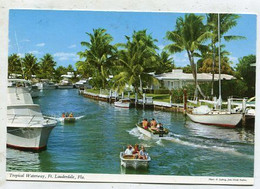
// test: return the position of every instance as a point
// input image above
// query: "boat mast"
(219, 62)
(19, 52)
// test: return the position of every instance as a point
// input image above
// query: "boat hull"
(150, 134)
(28, 138)
(69, 119)
(225, 120)
(134, 163)
(122, 105)
(65, 86)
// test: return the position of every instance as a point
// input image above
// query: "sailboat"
(219, 117)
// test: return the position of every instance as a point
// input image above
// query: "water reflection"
(227, 134)
(17, 159)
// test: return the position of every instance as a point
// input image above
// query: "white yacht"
(27, 129)
(33, 89)
(45, 84)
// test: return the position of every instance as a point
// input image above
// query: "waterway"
(93, 143)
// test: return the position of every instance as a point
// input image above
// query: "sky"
(61, 32)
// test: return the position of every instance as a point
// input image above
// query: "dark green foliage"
(247, 73)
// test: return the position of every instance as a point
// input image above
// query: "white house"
(177, 79)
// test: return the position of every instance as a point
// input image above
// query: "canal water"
(93, 143)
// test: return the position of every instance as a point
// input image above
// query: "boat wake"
(175, 138)
(214, 148)
(60, 119)
(136, 133)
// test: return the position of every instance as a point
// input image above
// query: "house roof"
(177, 74)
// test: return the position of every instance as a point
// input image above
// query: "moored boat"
(218, 118)
(131, 161)
(122, 103)
(27, 129)
(152, 133)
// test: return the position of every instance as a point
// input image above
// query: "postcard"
(130, 96)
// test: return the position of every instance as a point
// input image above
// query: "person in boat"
(129, 150)
(67, 114)
(153, 124)
(136, 151)
(63, 115)
(71, 115)
(159, 127)
(142, 153)
(145, 124)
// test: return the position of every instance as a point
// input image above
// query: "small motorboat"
(122, 103)
(132, 161)
(152, 133)
(68, 119)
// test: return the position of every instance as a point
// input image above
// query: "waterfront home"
(177, 79)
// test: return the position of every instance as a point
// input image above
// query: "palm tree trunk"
(213, 70)
(194, 73)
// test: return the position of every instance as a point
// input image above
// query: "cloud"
(180, 59)
(40, 44)
(65, 56)
(72, 46)
(233, 59)
(35, 52)
(22, 55)
(25, 40)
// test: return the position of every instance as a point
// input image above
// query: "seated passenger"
(145, 124)
(159, 127)
(63, 115)
(71, 114)
(129, 150)
(136, 149)
(153, 124)
(67, 114)
(142, 154)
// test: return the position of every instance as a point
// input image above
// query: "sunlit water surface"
(93, 143)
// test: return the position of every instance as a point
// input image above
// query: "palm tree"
(99, 56)
(227, 21)
(136, 61)
(165, 63)
(30, 66)
(14, 64)
(47, 65)
(189, 35)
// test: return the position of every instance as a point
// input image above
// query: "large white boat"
(218, 118)
(27, 129)
(45, 84)
(33, 89)
(122, 103)
(65, 83)
(152, 133)
(131, 161)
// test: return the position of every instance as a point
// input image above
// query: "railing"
(30, 117)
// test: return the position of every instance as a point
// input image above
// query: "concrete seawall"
(157, 105)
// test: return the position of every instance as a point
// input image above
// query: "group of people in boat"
(153, 125)
(135, 152)
(67, 115)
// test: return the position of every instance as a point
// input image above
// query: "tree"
(47, 65)
(227, 21)
(189, 35)
(14, 64)
(165, 63)
(60, 70)
(206, 63)
(99, 56)
(136, 61)
(30, 66)
(247, 72)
